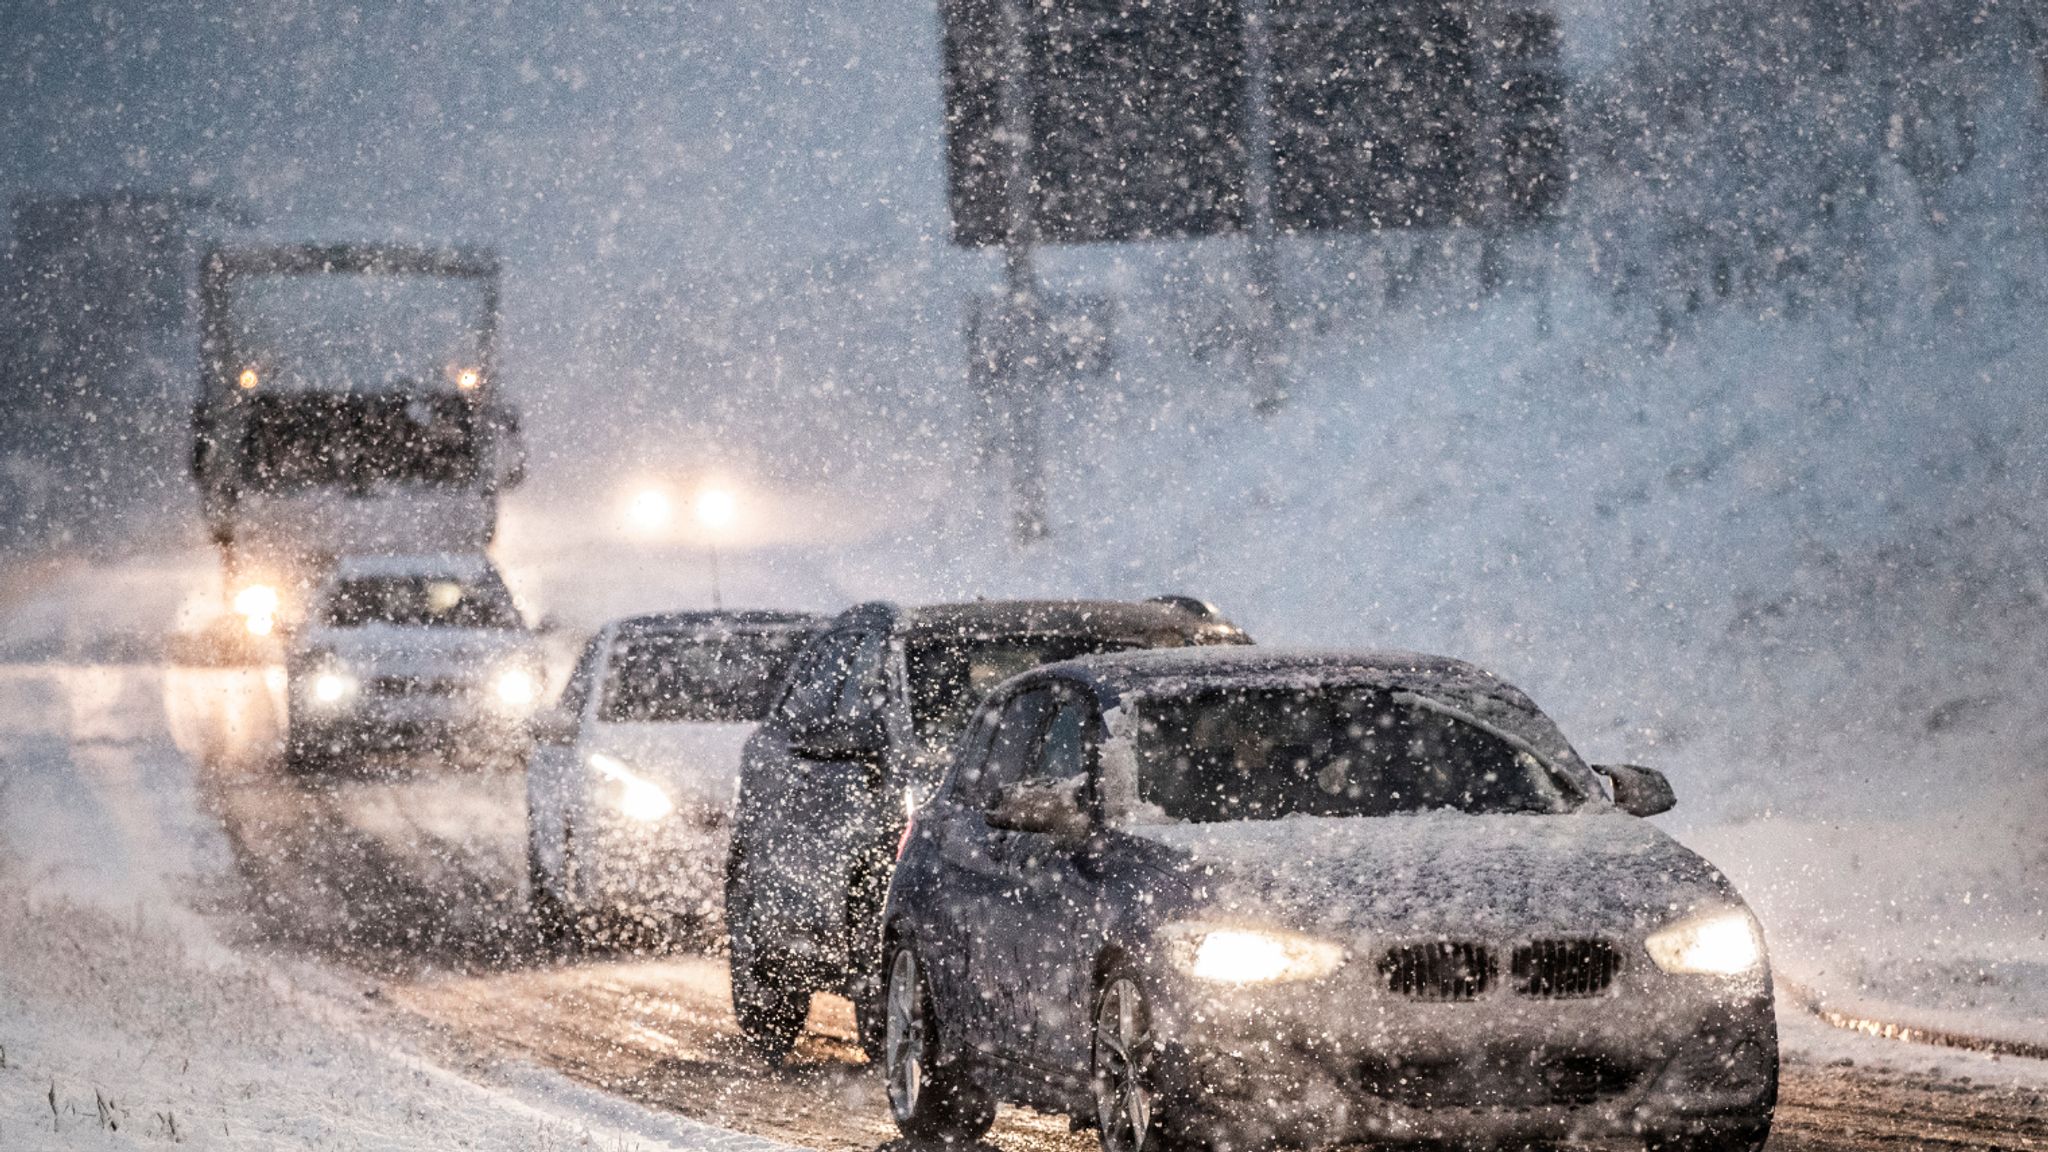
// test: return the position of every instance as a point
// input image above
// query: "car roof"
(454, 565)
(1068, 617)
(742, 620)
(1113, 677)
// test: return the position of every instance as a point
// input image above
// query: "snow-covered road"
(197, 944)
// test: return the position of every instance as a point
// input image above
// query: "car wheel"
(766, 1000)
(932, 1093)
(1131, 1113)
(769, 1005)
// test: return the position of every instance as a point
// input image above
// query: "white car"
(405, 651)
(630, 784)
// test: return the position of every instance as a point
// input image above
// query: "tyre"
(769, 1005)
(768, 1002)
(1132, 1113)
(932, 1093)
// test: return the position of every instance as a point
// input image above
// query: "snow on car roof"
(670, 623)
(1063, 616)
(454, 565)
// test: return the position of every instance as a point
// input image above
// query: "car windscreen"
(1260, 754)
(951, 672)
(727, 676)
(421, 601)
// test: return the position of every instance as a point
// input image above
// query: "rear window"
(421, 601)
(729, 676)
(949, 674)
(1267, 753)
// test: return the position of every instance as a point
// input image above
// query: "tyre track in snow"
(415, 883)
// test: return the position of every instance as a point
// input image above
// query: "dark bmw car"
(1232, 898)
(863, 727)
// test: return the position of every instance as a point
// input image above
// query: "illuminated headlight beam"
(638, 798)
(1724, 943)
(1251, 956)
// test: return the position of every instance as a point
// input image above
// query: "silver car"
(405, 652)
(630, 784)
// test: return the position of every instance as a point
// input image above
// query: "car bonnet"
(1441, 873)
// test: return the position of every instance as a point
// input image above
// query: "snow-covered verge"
(1938, 923)
(127, 1022)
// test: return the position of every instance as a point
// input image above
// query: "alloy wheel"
(1123, 1057)
(903, 1036)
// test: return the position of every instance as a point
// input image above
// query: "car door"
(1056, 903)
(863, 700)
(991, 941)
(800, 815)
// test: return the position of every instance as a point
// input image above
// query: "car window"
(1064, 752)
(1013, 748)
(577, 691)
(684, 677)
(1261, 754)
(860, 695)
(813, 699)
(950, 672)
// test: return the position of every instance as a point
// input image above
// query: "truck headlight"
(1723, 943)
(258, 604)
(637, 798)
(515, 688)
(1250, 956)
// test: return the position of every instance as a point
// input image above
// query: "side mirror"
(552, 726)
(1639, 791)
(1051, 807)
(860, 738)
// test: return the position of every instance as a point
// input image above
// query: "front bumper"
(672, 867)
(1342, 1061)
(384, 711)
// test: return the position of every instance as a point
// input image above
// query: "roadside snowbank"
(125, 1022)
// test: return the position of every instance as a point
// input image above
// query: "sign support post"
(1266, 362)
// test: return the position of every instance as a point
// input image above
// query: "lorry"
(347, 406)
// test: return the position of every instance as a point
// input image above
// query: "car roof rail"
(1191, 604)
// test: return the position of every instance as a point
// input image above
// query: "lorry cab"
(347, 407)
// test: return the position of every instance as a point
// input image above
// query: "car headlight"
(333, 686)
(1250, 956)
(516, 688)
(636, 798)
(1723, 943)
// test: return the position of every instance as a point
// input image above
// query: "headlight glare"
(333, 686)
(1724, 943)
(516, 688)
(637, 798)
(1251, 956)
